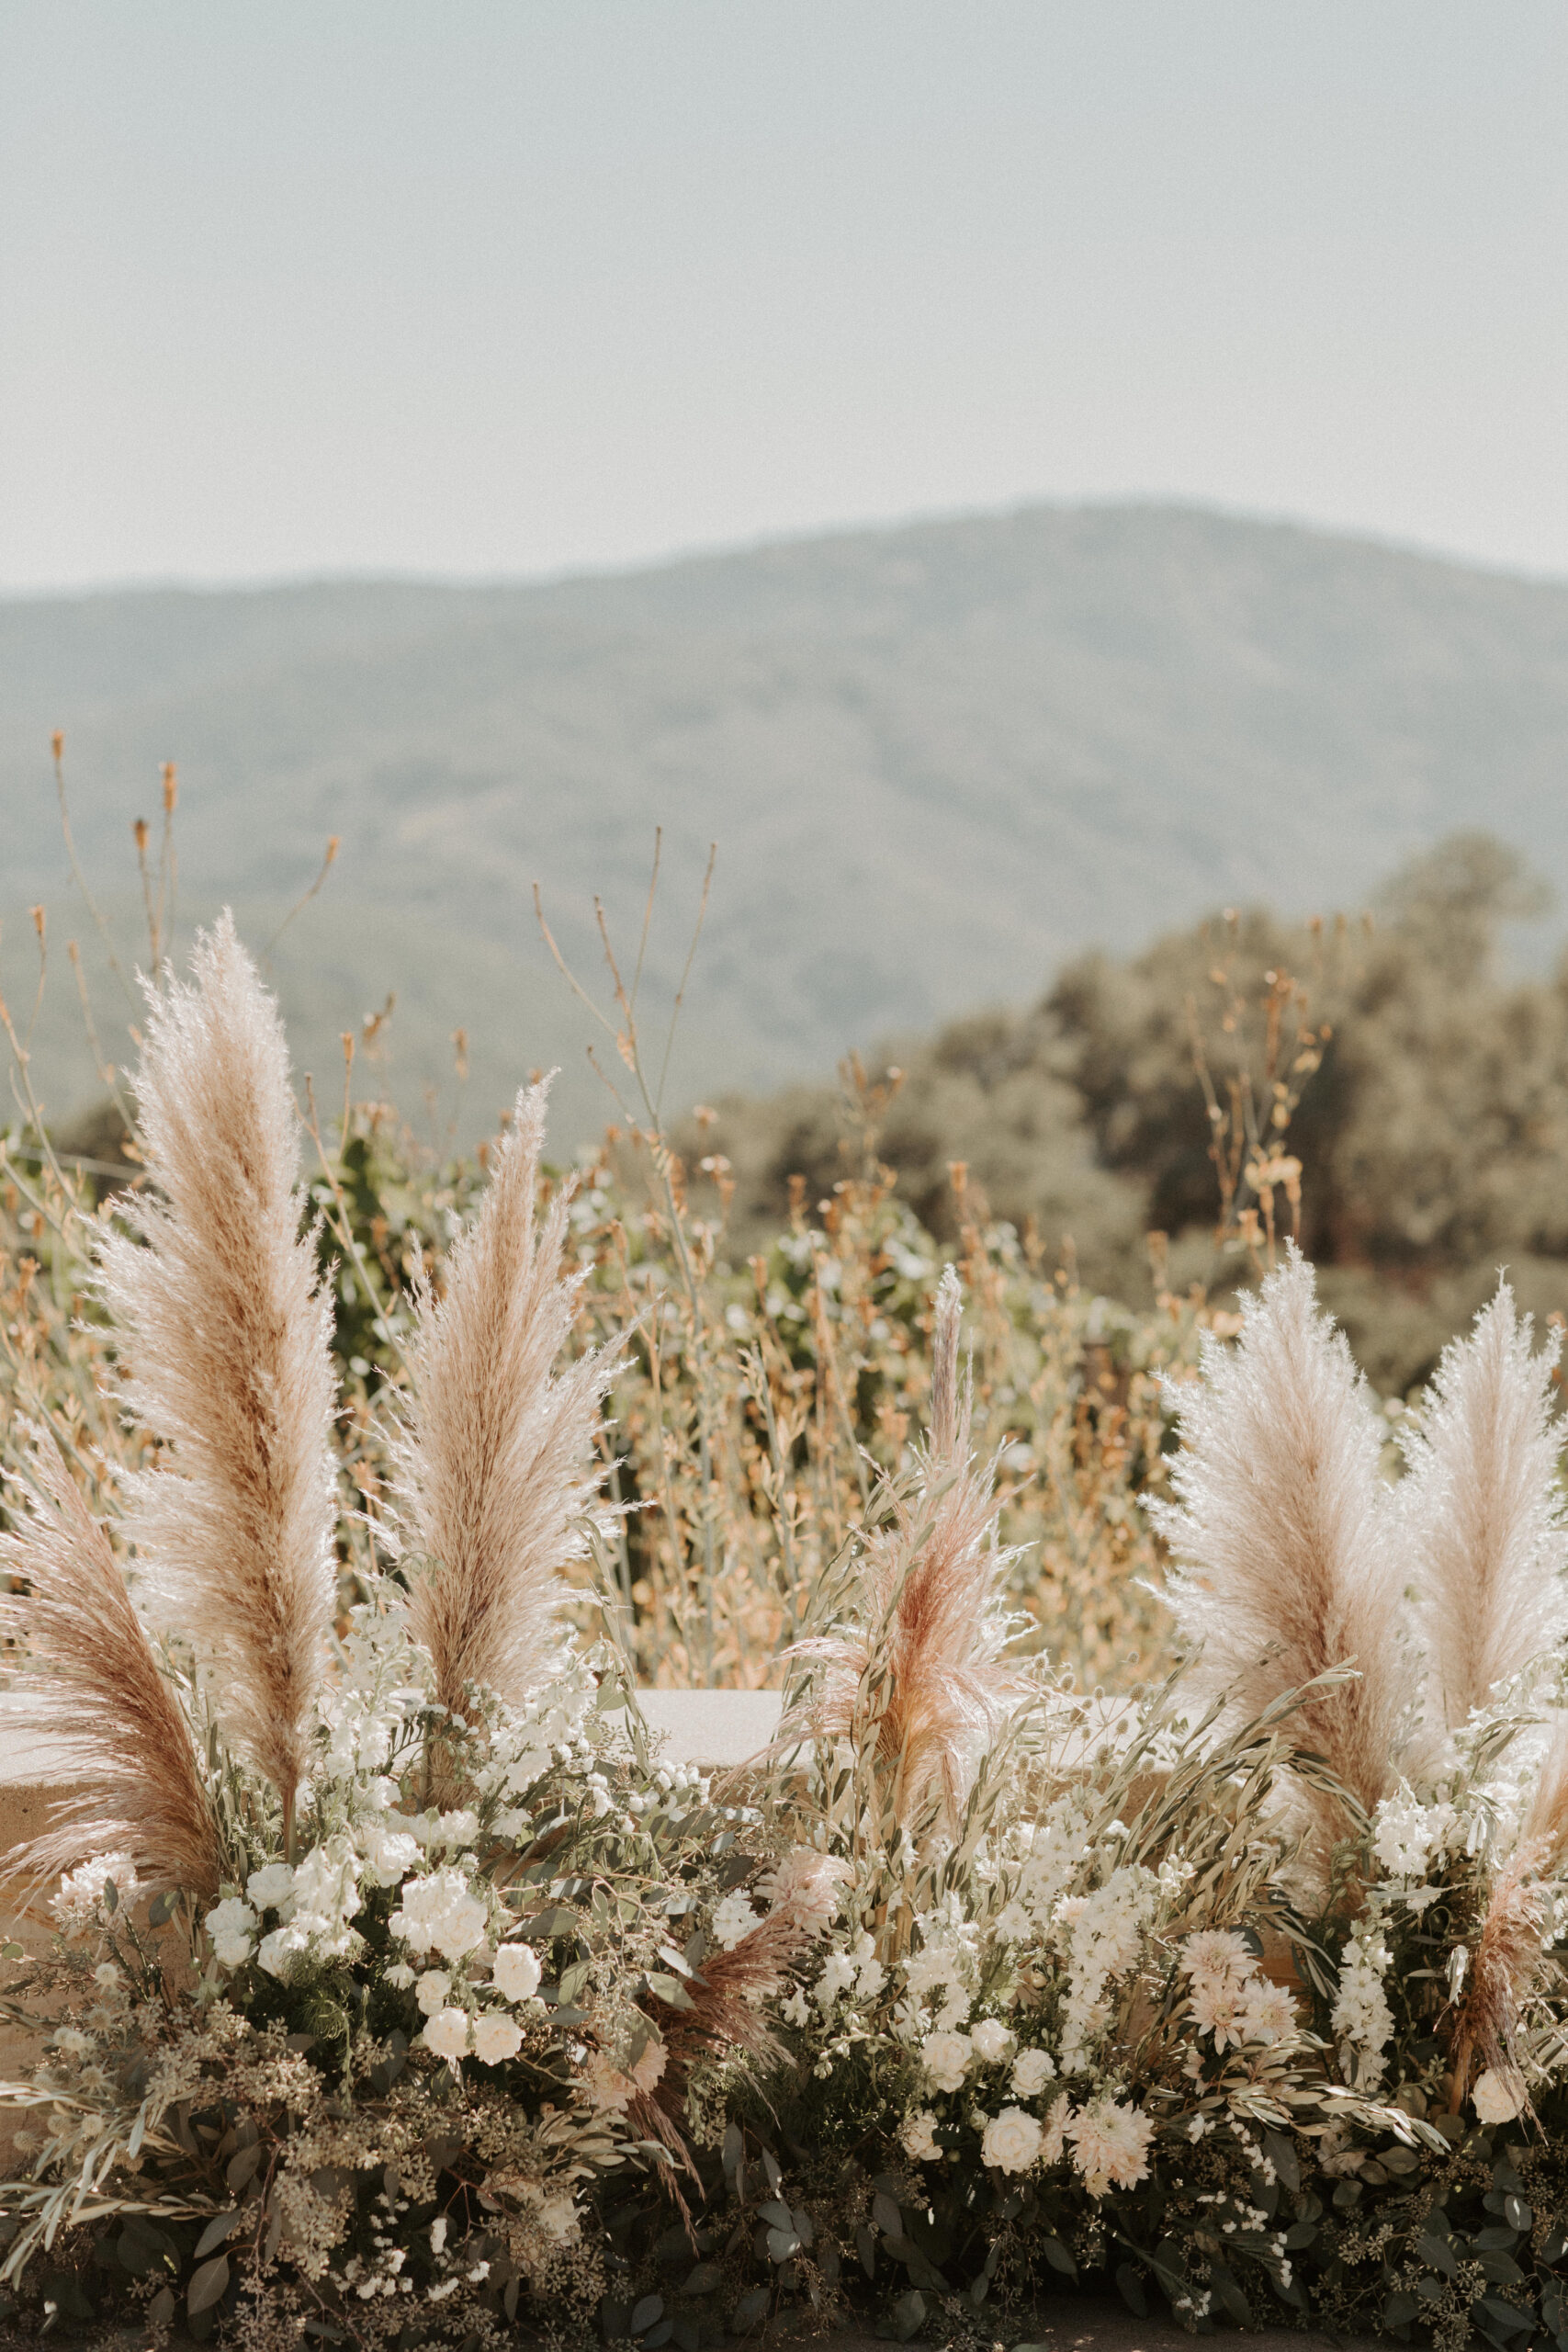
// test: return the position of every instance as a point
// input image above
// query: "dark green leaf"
(221, 2227)
(1058, 2257)
(647, 2313)
(206, 2285)
(1130, 2280)
(908, 2314)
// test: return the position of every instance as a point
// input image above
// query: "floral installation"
(397, 1990)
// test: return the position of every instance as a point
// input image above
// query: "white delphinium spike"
(1483, 1517)
(226, 1340)
(495, 1469)
(1283, 1535)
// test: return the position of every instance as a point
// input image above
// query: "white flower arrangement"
(398, 1956)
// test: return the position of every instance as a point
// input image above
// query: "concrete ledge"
(716, 1728)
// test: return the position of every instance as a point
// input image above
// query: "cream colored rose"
(918, 2137)
(1032, 2070)
(946, 2056)
(992, 2040)
(516, 1972)
(447, 2033)
(1011, 2140)
(496, 2037)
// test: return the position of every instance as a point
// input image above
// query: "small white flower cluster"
(492, 2035)
(1101, 1934)
(81, 1900)
(674, 1790)
(1110, 2143)
(1228, 1998)
(524, 1742)
(315, 1901)
(1361, 2018)
(1409, 1836)
(367, 1709)
(1040, 1862)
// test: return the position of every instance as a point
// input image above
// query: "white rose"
(918, 2137)
(992, 2040)
(232, 1925)
(389, 1854)
(270, 1888)
(1011, 2140)
(496, 2037)
(946, 2055)
(1032, 2070)
(432, 1990)
(440, 1910)
(447, 2033)
(279, 1951)
(517, 1972)
(1496, 2101)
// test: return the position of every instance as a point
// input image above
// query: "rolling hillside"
(936, 760)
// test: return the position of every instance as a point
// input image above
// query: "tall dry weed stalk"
(1288, 1562)
(96, 1691)
(493, 1449)
(1482, 1513)
(226, 1336)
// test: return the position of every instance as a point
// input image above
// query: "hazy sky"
(486, 286)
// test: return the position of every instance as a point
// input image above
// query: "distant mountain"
(936, 760)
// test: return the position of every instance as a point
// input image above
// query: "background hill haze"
(938, 761)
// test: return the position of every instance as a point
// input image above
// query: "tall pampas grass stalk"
(1482, 1513)
(1284, 1537)
(494, 1448)
(916, 1679)
(226, 1336)
(97, 1689)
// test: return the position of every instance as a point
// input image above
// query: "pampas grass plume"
(1482, 1513)
(920, 1670)
(227, 1336)
(1283, 1535)
(494, 1451)
(96, 1691)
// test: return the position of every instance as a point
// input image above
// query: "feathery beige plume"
(494, 1458)
(917, 1677)
(1283, 1532)
(227, 1340)
(1507, 1958)
(98, 1693)
(1480, 1512)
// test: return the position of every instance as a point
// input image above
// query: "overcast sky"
(492, 287)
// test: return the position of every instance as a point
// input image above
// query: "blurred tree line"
(1389, 1069)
